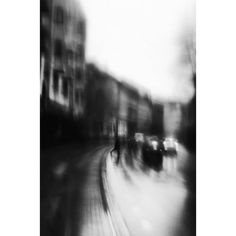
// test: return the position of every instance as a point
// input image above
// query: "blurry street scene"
(117, 118)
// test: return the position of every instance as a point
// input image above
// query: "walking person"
(117, 149)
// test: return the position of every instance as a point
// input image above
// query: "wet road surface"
(155, 202)
(141, 200)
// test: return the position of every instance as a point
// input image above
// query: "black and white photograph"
(117, 118)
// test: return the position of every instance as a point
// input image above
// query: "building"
(114, 107)
(127, 110)
(157, 119)
(62, 57)
(62, 70)
(101, 102)
(189, 121)
(45, 43)
(172, 118)
(145, 112)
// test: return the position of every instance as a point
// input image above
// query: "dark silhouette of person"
(117, 149)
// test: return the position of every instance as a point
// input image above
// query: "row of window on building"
(60, 51)
(65, 87)
(61, 18)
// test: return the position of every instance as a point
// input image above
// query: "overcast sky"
(139, 41)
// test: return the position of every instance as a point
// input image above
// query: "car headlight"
(154, 144)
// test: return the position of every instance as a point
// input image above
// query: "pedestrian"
(117, 149)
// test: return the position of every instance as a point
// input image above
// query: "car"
(153, 152)
(154, 142)
(170, 145)
(139, 137)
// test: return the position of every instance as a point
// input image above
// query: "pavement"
(72, 202)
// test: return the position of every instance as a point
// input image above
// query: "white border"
(19, 124)
(19, 120)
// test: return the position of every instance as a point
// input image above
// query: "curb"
(117, 223)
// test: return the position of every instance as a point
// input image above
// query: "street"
(117, 118)
(72, 198)
(83, 192)
(155, 203)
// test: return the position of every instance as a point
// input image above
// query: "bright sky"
(138, 41)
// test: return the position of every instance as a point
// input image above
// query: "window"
(69, 56)
(65, 87)
(80, 53)
(56, 81)
(59, 15)
(78, 74)
(81, 28)
(81, 97)
(77, 96)
(58, 48)
(132, 113)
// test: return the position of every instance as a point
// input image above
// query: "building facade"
(101, 102)
(62, 57)
(157, 126)
(172, 118)
(114, 107)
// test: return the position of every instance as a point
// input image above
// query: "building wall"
(63, 65)
(188, 134)
(172, 118)
(45, 34)
(128, 110)
(157, 119)
(101, 102)
(144, 115)
(111, 103)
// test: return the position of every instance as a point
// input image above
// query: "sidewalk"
(150, 203)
